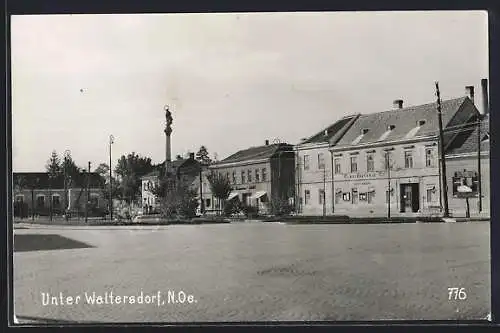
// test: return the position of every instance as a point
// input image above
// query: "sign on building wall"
(467, 178)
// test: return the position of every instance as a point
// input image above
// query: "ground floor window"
(321, 196)
(40, 201)
(307, 196)
(431, 194)
(207, 202)
(56, 201)
(370, 195)
(355, 196)
(338, 195)
(19, 198)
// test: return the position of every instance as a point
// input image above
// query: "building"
(387, 163)
(257, 175)
(185, 171)
(462, 169)
(313, 169)
(34, 193)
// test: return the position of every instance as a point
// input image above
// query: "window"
(249, 174)
(387, 160)
(354, 164)
(19, 198)
(370, 195)
(94, 201)
(307, 197)
(207, 203)
(257, 175)
(264, 174)
(321, 161)
(370, 166)
(355, 196)
(321, 196)
(408, 159)
(428, 157)
(234, 177)
(388, 194)
(243, 181)
(56, 201)
(227, 175)
(306, 162)
(430, 194)
(40, 201)
(338, 195)
(474, 183)
(337, 166)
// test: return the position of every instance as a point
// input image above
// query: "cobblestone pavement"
(262, 272)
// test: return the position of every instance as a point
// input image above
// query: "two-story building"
(35, 193)
(186, 170)
(257, 175)
(313, 169)
(388, 162)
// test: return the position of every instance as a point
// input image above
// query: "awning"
(232, 195)
(258, 194)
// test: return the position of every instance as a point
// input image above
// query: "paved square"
(259, 272)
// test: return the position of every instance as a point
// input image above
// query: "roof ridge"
(408, 108)
(327, 127)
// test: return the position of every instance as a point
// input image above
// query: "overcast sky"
(232, 80)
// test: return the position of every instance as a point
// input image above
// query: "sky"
(231, 80)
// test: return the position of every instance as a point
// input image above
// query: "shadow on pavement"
(27, 242)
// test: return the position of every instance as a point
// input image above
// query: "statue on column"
(169, 120)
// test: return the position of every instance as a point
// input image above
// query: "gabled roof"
(41, 180)
(467, 141)
(332, 131)
(160, 168)
(405, 123)
(256, 153)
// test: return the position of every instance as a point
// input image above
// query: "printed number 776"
(457, 293)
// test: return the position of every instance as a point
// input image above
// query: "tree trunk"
(32, 204)
(467, 212)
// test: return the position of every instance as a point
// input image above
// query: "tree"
(53, 165)
(130, 169)
(202, 156)
(220, 186)
(176, 199)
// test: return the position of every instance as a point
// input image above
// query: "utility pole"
(88, 196)
(388, 165)
(111, 141)
(442, 154)
(324, 190)
(202, 208)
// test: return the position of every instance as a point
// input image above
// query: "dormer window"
(391, 127)
(364, 131)
(421, 122)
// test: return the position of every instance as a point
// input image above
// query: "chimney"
(398, 104)
(484, 87)
(469, 91)
(267, 142)
(326, 132)
(191, 156)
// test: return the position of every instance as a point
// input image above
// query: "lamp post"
(67, 154)
(111, 141)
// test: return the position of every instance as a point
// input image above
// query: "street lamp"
(67, 154)
(111, 141)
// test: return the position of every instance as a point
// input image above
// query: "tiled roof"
(159, 168)
(40, 180)
(256, 153)
(405, 122)
(331, 131)
(467, 142)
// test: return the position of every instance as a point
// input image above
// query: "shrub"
(232, 207)
(280, 207)
(249, 211)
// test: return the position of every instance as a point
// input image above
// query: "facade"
(186, 171)
(257, 175)
(462, 169)
(34, 193)
(387, 163)
(314, 170)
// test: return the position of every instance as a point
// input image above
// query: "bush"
(232, 207)
(280, 207)
(249, 211)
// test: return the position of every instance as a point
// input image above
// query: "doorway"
(410, 199)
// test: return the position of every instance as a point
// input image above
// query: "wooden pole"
(442, 154)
